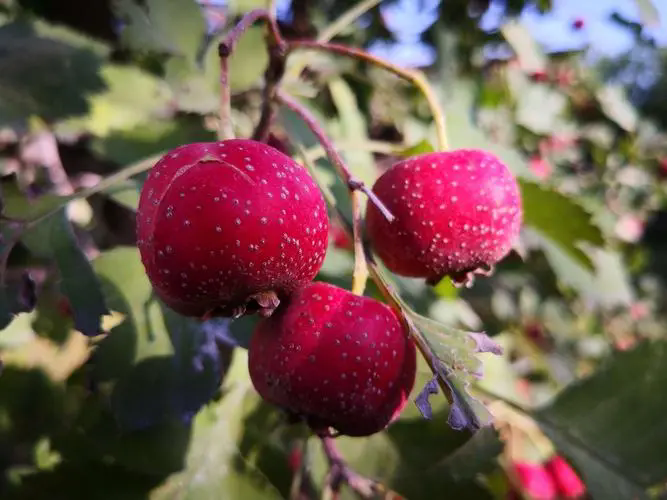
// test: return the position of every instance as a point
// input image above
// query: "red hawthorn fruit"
(539, 76)
(578, 24)
(540, 166)
(566, 479)
(334, 359)
(340, 238)
(456, 213)
(230, 227)
(535, 480)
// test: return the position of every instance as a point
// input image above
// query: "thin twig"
(241, 27)
(225, 49)
(415, 77)
(347, 18)
(333, 154)
(340, 472)
(226, 127)
(275, 70)
(104, 184)
(360, 275)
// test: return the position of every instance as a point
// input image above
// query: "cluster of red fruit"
(236, 227)
(555, 479)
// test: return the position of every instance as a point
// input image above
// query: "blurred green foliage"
(159, 406)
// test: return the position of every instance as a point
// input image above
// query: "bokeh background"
(107, 394)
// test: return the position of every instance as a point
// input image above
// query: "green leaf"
(606, 284)
(351, 126)
(25, 59)
(539, 109)
(459, 103)
(246, 64)
(194, 90)
(560, 219)
(617, 107)
(530, 54)
(126, 194)
(176, 27)
(242, 6)
(423, 146)
(215, 468)
(53, 238)
(16, 295)
(128, 146)
(412, 458)
(648, 13)
(453, 356)
(163, 365)
(131, 97)
(612, 425)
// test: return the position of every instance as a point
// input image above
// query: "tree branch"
(360, 275)
(417, 78)
(340, 472)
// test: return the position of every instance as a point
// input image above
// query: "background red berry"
(228, 225)
(534, 480)
(456, 213)
(335, 359)
(566, 479)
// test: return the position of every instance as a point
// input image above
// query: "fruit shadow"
(154, 385)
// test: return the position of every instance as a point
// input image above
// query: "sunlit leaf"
(560, 219)
(530, 54)
(648, 13)
(351, 126)
(539, 109)
(25, 59)
(162, 365)
(176, 27)
(616, 106)
(131, 97)
(606, 283)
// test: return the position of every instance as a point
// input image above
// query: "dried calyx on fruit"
(456, 214)
(229, 228)
(334, 359)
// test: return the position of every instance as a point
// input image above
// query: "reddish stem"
(340, 472)
(336, 159)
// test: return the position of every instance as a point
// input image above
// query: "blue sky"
(553, 30)
(407, 18)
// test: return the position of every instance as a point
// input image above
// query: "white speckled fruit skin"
(218, 222)
(456, 212)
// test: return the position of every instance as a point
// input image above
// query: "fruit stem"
(334, 156)
(225, 127)
(225, 49)
(340, 472)
(422, 346)
(360, 275)
(415, 77)
(277, 48)
(347, 18)
(109, 181)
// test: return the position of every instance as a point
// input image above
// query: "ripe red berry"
(577, 24)
(335, 359)
(566, 479)
(534, 480)
(230, 226)
(457, 213)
